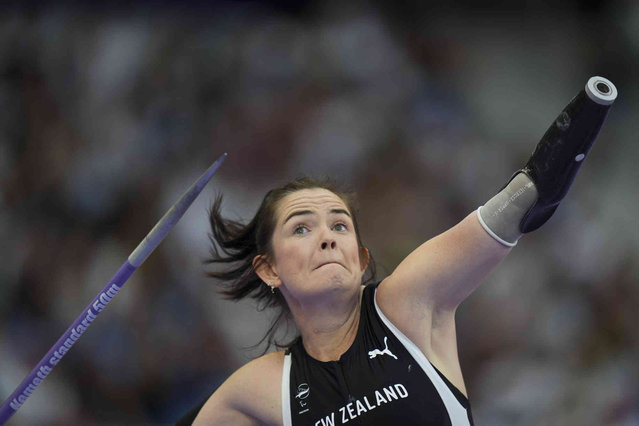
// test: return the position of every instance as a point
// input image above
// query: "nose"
(328, 244)
(328, 240)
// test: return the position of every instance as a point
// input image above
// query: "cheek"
(353, 251)
(291, 256)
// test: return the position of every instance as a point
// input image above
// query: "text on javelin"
(98, 305)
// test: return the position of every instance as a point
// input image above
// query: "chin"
(340, 282)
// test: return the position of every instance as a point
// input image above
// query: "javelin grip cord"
(97, 305)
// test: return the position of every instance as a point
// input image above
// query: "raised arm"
(442, 272)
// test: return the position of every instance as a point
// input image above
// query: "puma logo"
(372, 354)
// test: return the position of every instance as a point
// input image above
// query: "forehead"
(315, 199)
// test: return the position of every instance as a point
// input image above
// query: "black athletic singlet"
(382, 379)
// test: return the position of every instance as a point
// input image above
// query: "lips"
(329, 263)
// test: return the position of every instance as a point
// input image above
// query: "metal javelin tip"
(166, 223)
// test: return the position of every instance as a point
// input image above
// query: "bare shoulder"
(250, 396)
(433, 331)
(408, 313)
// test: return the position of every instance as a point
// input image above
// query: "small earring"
(272, 288)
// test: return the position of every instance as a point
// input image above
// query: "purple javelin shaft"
(79, 326)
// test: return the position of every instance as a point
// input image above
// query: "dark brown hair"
(236, 244)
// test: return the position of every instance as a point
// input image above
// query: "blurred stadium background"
(107, 113)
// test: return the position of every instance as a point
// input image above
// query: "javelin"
(136, 258)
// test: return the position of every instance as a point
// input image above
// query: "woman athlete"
(384, 353)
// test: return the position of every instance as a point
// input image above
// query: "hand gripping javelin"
(136, 258)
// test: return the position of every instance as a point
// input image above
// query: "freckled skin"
(304, 243)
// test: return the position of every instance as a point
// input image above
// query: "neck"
(328, 330)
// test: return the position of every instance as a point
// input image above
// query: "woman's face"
(315, 245)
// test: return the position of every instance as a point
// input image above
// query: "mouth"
(328, 263)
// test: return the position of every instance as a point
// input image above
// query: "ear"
(265, 271)
(364, 258)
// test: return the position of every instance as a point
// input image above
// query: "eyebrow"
(305, 212)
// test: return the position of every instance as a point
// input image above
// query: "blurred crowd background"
(108, 113)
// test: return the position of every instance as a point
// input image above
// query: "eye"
(340, 227)
(300, 230)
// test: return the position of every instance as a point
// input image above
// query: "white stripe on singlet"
(456, 412)
(286, 391)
